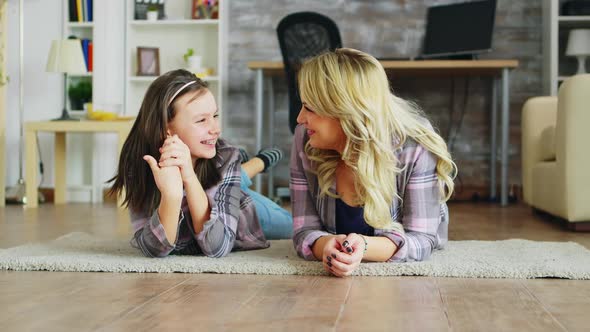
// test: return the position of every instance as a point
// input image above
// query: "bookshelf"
(556, 27)
(173, 35)
(80, 147)
(79, 23)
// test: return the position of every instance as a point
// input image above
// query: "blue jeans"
(276, 222)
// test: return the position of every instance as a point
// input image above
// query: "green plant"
(153, 8)
(79, 94)
(189, 52)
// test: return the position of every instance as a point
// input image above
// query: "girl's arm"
(198, 203)
(156, 234)
(218, 231)
(309, 234)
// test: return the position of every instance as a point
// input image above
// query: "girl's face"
(196, 123)
(324, 132)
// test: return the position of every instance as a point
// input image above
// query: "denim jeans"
(276, 222)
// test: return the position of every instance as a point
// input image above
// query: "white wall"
(43, 92)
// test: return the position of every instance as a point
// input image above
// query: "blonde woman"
(369, 175)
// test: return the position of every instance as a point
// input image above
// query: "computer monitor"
(460, 29)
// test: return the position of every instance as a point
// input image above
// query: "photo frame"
(148, 61)
(205, 9)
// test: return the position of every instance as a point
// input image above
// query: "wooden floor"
(60, 301)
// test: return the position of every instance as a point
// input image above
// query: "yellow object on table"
(100, 115)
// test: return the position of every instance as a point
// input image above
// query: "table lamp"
(65, 56)
(578, 45)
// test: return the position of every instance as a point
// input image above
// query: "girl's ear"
(168, 133)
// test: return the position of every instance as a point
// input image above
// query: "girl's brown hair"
(134, 178)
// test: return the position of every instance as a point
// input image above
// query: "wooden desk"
(60, 128)
(499, 70)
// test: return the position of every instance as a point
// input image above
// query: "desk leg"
(259, 91)
(271, 136)
(505, 136)
(60, 168)
(31, 169)
(493, 139)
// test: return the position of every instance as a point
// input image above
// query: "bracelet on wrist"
(366, 244)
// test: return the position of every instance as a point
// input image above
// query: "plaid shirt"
(424, 217)
(233, 223)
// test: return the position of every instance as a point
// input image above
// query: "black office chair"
(303, 35)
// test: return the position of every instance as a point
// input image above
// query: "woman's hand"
(168, 179)
(175, 153)
(344, 257)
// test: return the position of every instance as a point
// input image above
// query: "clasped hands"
(343, 254)
(169, 179)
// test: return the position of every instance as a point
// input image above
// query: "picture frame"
(205, 9)
(148, 61)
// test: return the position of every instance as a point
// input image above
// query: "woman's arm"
(423, 220)
(307, 225)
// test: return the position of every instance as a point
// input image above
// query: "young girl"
(183, 184)
(369, 175)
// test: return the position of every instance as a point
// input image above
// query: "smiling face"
(324, 132)
(196, 122)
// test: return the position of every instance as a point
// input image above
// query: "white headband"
(179, 90)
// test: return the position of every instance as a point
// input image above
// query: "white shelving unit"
(556, 27)
(80, 184)
(173, 36)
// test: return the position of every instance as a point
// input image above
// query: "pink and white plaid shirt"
(425, 218)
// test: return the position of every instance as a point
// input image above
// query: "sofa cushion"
(547, 144)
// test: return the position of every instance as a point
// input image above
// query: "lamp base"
(65, 116)
(581, 64)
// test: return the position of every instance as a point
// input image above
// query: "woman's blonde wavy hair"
(352, 86)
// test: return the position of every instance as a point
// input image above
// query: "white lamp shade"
(66, 56)
(578, 42)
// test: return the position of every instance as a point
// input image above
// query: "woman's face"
(196, 123)
(324, 132)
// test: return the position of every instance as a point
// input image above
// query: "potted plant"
(193, 62)
(79, 94)
(152, 12)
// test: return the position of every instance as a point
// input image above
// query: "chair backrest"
(301, 36)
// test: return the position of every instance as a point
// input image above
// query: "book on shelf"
(80, 10)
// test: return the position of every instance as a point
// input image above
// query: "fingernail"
(329, 258)
(349, 249)
(345, 243)
(334, 255)
(329, 264)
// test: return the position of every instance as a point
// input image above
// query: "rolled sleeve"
(151, 237)
(421, 218)
(219, 232)
(307, 225)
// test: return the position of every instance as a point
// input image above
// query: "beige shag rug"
(515, 258)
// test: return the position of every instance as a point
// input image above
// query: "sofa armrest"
(538, 113)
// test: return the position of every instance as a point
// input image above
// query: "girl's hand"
(175, 153)
(331, 249)
(168, 179)
(344, 262)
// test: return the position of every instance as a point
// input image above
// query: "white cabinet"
(556, 27)
(173, 35)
